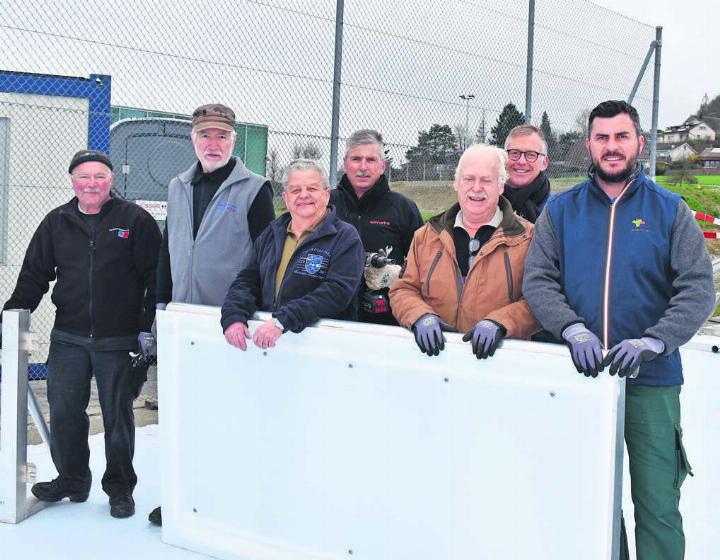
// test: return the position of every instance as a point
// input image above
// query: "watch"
(278, 324)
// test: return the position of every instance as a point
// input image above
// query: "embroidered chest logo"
(222, 207)
(639, 225)
(379, 222)
(122, 233)
(313, 263)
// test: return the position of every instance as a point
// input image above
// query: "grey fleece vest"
(203, 269)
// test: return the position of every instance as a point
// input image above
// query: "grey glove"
(486, 338)
(153, 329)
(428, 334)
(146, 343)
(585, 349)
(625, 358)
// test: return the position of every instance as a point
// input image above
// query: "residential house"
(693, 130)
(710, 158)
(674, 152)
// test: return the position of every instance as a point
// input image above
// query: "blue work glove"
(625, 358)
(486, 338)
(585, 349)
(428, 334)
(146, 342)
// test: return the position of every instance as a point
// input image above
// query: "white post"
(14, 502)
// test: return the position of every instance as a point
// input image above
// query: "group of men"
(616, 263)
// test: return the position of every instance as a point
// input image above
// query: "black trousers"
(70, 368)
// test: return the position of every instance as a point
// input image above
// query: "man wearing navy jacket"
(305, 266)
(619, 263)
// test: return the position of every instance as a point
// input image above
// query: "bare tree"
(463, 138)
(581, 122)
(274, 169)
(308, 150)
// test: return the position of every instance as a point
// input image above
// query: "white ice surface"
(68, 530)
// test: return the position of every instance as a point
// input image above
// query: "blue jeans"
(70, 368)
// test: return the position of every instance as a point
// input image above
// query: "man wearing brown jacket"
(464, 270)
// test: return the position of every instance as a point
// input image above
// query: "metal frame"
(15, 472)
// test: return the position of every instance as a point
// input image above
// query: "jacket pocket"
(682, 465)
(430, 272)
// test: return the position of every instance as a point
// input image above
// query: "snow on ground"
(86, 531)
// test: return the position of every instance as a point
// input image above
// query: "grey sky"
(690, 61)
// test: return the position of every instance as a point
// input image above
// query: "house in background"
(709, 158)
(674, 152)
(692, 130)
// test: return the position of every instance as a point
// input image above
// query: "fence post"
(335, 126)
(529, 64)
(656, 101)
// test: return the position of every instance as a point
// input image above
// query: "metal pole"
(656, 100)
(641, 74)
(529, 65)
(467, 99)
(335, 126)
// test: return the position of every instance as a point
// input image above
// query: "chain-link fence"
(431, 76)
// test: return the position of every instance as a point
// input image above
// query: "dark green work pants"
(658, 466)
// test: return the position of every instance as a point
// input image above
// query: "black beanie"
(89, 155)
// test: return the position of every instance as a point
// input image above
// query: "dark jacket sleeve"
(245, 293)
(163, 291)
(261, 211)
(145, 253)
(37, 271)
(542, 286)
(336, 291)
(693, 297)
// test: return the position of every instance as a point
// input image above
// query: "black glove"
(428, 334)
(486, 338)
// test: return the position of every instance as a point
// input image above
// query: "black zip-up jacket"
(383, 218)
(105, 282)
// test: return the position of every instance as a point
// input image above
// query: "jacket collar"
(632, 184)
(326, 227)
(510, 224)
(373, 194)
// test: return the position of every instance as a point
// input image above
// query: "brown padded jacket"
(431, 281)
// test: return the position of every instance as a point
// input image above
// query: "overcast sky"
(690, 60)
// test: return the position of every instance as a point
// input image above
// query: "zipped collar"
(238, 173)
(371, 196)
(70, 211)
(326, 227)
(633, 182)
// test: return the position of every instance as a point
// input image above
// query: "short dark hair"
(608, 109)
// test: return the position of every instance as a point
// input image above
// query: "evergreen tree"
(549, 135)
(437, 145)
(508, 119)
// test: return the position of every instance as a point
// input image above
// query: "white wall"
(44, 133)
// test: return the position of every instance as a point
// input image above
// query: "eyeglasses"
(530, 155)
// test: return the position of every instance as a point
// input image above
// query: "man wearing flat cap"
(216, 210)
(102, 253)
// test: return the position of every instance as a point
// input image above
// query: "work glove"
(585, 349)
(486, 337)
(158, 307)
(625, 358)
(383, 277)
(428, 334)
(146, 343)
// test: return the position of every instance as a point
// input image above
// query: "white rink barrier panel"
(345, 441)
(700, 408)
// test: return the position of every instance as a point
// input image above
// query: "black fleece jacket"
(105, 278)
